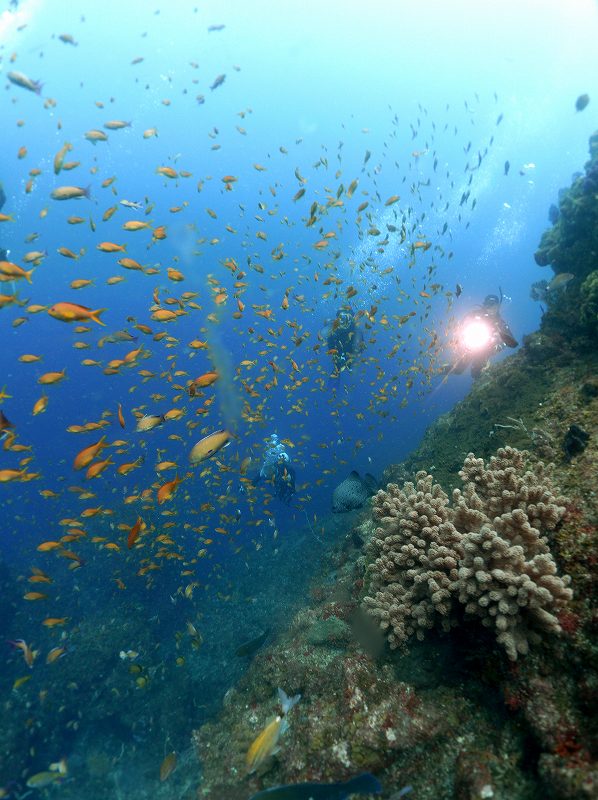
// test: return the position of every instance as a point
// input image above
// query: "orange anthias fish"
(53, 622)
(166, 491)
(28, 654)
(96, 469)
(54, 654)
(207, 379)
(111, 247)
(265, 743)
(72, 312)
(134, 533)
(70, 193)
(87, 455)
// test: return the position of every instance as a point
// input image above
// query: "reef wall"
(462, 714)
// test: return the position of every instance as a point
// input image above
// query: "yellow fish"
(264, 745)
(209, 446)
(42, 779)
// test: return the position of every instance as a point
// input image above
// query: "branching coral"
(488, 552)
(417, 555)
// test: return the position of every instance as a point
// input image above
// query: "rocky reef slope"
(453, 715)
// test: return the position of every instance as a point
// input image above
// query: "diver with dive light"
(481, 334)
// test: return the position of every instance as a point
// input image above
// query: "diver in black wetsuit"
(343, 339)
(482, 333)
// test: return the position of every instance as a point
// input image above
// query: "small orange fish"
(116, 125)
(164, 315)
(167, 172)
(207, 379)
(95, 135)
(13, 272)
(45, 547)
(64, 251)
(125, 469)
(28, 654)
(72, 312)
(130, 263)
(49, 378)
(134, 533)
(166, 491)
(70, 193)
(41, 405)
(111, 247)
(60, 156)
(135, 225)
(87, 455)
(54, 654)
(95, 470)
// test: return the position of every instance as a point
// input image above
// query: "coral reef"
(524, 729)
(567, 246)
(507, 576)
(417, 552)
(570, 247)
(488, 551)
(588, 309)
(356, 714)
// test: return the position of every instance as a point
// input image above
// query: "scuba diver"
(481, 334)
(343, 339)
(277, 470)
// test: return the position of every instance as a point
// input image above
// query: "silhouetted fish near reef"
(250, 647)
(362, 784)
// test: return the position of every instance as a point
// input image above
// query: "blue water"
(310, 89)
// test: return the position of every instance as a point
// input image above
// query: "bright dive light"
(476, 335)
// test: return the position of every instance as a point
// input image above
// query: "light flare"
(476, 335)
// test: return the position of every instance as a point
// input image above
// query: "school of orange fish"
(249, 271)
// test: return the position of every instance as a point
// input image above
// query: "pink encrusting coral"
(486, 554)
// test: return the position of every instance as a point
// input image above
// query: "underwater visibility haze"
(298, 399)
